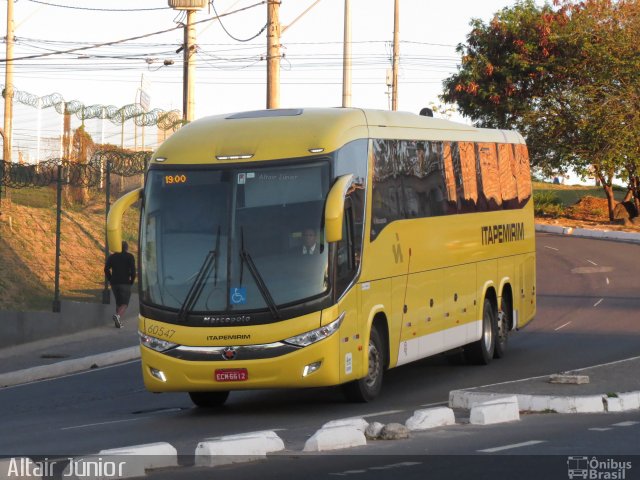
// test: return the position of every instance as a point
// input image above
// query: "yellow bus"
(296, 248)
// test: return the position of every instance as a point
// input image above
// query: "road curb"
(629, 237)
(67, 367)
(618, 402)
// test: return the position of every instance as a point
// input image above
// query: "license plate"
(232, 375)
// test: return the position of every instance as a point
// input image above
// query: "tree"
(566, 77)
(82, 148)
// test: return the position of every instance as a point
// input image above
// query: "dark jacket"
(120, 268)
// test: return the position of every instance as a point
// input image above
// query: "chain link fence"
(37, 200)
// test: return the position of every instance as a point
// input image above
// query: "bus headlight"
(154, 343)
(313, 336)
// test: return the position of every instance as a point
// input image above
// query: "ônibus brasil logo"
(596, 469)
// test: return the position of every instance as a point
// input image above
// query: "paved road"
(588, 313)
(537, 447)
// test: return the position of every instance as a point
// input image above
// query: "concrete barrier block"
(23, 467)
(495, 412)
(498, 399)
(540, 403)
(269, 439)
(152, 455)
(334, 438)
(213, 453)
(578, 404)
(358, 423)
(623, 402)
(430, 418)
(465, 398)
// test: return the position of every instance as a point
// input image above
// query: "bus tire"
(209, 399)
(481, 352)
(368, 388)
(502, 328)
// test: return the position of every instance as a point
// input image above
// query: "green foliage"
(34, 197)
(566, 77)
(547, 203)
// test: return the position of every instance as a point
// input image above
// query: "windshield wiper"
(209, 263)
(262, 287)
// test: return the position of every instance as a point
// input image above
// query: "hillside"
(27, 249)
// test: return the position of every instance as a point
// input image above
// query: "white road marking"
(592, 263)
(625, 424)
(102, 423)
(596, 429)
(598, 302)
(562, 326)
(437, 404)
(607, 280)
(388, 412)
(552, 248)
(396, 465)
(513, 445)
(383, 467)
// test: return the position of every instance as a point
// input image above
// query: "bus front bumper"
(165, 373)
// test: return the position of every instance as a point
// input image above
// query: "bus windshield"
(234, 239)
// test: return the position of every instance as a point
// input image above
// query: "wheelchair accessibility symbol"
(238, 296)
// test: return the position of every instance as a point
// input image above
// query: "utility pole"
(346, 56)
(396, 55)
(273, 54)
(8, 84)
(189, 67)
(188, 54)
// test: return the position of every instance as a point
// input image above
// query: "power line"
(227, 31)
(123, 40)
(100, 9)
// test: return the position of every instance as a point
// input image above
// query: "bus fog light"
(312, 367)
(159, 374)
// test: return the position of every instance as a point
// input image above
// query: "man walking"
(120, 270)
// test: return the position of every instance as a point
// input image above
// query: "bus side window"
(345, 262)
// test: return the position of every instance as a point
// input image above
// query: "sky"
(230, 74)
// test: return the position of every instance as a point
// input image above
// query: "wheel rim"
(374, 365)
(487, 334)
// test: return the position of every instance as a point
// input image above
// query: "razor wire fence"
(107, 173)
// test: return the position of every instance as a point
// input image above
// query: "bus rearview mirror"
(334, 210)
(114, 219)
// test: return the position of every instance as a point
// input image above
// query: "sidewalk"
(71, 353)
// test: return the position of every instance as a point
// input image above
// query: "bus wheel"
(368, 388)
(502, 328)
(481, 352)
(209, 399)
